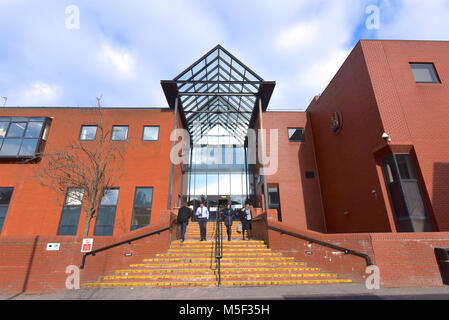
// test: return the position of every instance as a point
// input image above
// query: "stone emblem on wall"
(336, 122)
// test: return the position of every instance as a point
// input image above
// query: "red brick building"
(366, 165)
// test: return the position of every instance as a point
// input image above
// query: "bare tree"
(86, 168)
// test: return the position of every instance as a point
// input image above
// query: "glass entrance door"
(410, 210)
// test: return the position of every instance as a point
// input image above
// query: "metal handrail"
(129, 241)
(219, 245)
(325, 244)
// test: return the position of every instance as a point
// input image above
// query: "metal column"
(171, 162)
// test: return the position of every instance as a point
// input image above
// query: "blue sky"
(122, 49)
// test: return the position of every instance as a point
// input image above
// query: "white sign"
(87, 245)
(53, 246)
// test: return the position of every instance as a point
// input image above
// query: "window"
(424, 73)
(274, 201)
(22, 137)
(71, 212)
(104, 225)
(405, 193)
(5, 199)
(150, 133)
(296, 135)
(119, 133)
(143, 201)
(88, 133)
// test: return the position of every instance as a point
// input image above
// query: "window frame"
(151, 126)
(438, 81)
(120, 126)
(107, 206)
(88, 126)
(398, 181)
(296, 128)
(65, 205)
(2, 220)
(38, 139)
(138, 226)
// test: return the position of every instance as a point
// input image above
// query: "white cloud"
(296, 37)
(414, 20)
(120, 60)
(38, 93)
(124, 49)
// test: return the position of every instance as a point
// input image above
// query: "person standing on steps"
(184, 215)
(203, 215)
(246, 218)
(227, 215)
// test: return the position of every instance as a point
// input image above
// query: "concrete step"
(212, 277)
(247, 283)
(223, 270)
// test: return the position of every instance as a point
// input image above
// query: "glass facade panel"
(110, 198)
(218, 169)
(34, 129)
(405, 194)
(88, 133)
(5, 199)
(212, 184)
(68, 225)
(296, 134)
(10, 147)
(200, 184)
(150, 133)
(406, 168)
(143, 201)
(16, 130)
(424, 73)
(225, 183)
(104, 225)
(119, 133)
(236, 184)
(3, 129)
(29, 147)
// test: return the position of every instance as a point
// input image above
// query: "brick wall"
(404, 259)
(26, 266)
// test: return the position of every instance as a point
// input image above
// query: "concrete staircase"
(193, 264)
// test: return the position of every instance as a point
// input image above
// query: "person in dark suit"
(184, 215)
(246, 217)
(227, 215)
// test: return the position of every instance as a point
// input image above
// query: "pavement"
(307, 292)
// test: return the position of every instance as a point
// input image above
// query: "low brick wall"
(404, 259)
(26, 266)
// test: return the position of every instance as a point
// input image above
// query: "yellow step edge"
(224, 276)
(223, 259)
(211, 270)
(214, 283)
(175, 255)
(223, 264)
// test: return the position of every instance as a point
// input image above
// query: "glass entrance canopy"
(218, 99)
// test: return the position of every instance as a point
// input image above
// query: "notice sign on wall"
(53, 246)
(87, 245)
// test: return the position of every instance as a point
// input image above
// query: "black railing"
(129, 241)
(325, 244)
(219, 245)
